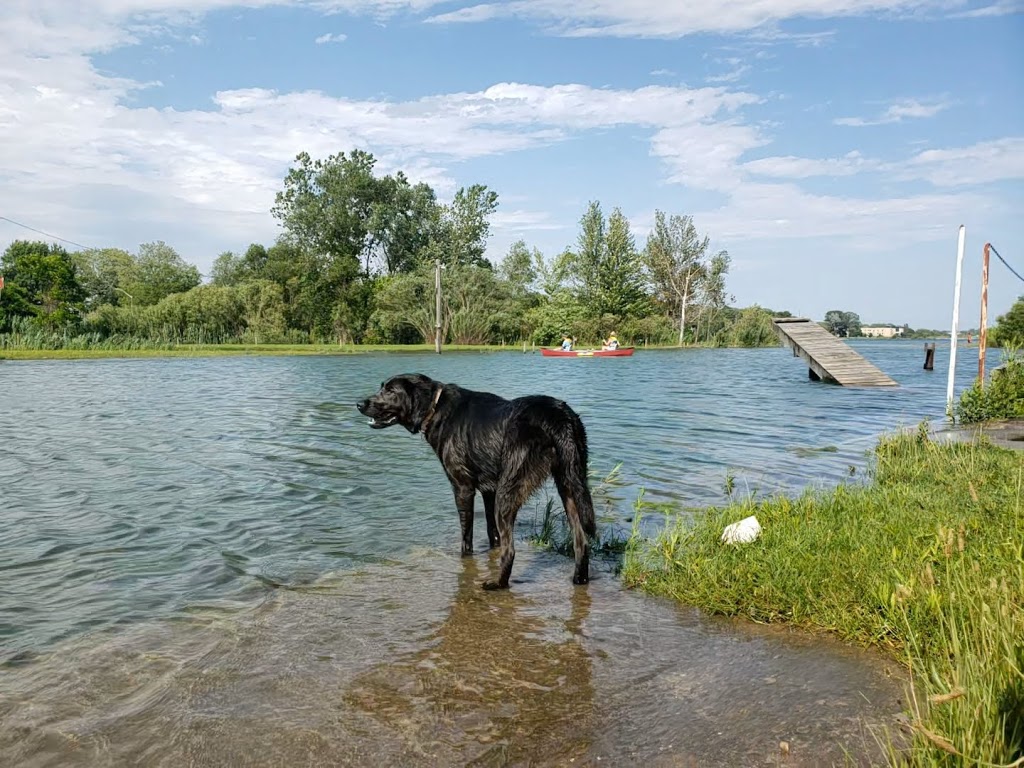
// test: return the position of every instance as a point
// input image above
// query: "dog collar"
(433, 406)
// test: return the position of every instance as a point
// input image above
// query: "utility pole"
(437, 306)
(983, 333)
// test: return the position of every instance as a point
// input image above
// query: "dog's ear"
(421, 390)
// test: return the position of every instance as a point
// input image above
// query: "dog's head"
(405, 399)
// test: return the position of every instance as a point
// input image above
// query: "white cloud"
(75, 152)
(982, 163)
(662, 73)
(739, 69)
(656, 18)
(790, 167)
(338, 37)
(1001, 8)
(897, 112)
(525, 221)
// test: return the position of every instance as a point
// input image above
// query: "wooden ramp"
(828, 358)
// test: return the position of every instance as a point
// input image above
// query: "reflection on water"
(413, 664)
(495, 682)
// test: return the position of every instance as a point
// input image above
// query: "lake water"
(208, 558)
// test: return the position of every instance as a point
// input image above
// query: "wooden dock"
(828, 358)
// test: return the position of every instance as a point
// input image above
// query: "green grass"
(217, 350)
(926, 560)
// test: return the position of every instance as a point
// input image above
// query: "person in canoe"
(612, 342)
(566, 343)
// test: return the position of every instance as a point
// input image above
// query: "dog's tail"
(570, 468)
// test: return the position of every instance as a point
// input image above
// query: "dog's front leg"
(464, 496)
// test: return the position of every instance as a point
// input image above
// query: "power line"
(1005, 264)
(55, 237)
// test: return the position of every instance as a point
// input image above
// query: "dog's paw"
(492, 585)
(580, 579)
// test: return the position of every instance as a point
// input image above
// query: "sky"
(833, 147)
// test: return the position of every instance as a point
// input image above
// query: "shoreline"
(291, 350)
(923, 562)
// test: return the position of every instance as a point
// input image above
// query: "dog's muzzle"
(365, 408)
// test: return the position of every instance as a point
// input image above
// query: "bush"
(1001, 398)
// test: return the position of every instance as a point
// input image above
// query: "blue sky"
(832, 146)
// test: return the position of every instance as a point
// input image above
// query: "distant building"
(882, 331)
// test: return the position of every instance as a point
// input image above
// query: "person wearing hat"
(566, 342)
(612, 342)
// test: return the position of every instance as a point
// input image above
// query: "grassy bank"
(218, 350)
(926, 560)
(156, 349)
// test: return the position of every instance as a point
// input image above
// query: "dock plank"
(829, 358)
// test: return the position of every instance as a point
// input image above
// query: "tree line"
(355, 264)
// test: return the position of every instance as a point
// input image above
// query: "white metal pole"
(956, 319)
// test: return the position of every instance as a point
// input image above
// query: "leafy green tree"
(402, 221)
(712, 295)
(678, 262)
(102, 272)
(1009, 328)
(41, 281)
(325, 206)
(206, 314)
(461, 228)
(227, 270)
(405, 302)
(620, 275)
(475, 302)
(158, 273)
(753, 328)
(605, 269)
(263, 310)
(519, 272)
(842, 323)
(519, 267)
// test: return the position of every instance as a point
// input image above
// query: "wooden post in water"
(929, 356)
(983, 333)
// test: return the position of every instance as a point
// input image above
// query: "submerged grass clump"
(926, 560)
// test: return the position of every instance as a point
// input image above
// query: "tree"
(606, 268)
(102, 273)
(620, 272)
(676, 257)
(406, 301)
(712, 295)
(325, 206)
(263, 307)
(841, 323)
(519, 267)
(42, 282)
(227, 270)
(1009, 328)
(159, 272)
(402, 220)
(461, 229)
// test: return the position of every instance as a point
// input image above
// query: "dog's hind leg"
(521, 476)
(581, 575)
(492, 528)
(464, 497)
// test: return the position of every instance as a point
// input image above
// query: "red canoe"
(620, 352)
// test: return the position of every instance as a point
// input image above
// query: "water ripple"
(141, 488)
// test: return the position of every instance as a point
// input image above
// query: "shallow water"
(215, 561)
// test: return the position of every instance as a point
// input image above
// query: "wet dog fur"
(503, 448)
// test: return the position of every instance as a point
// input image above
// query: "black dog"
(503, 448)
